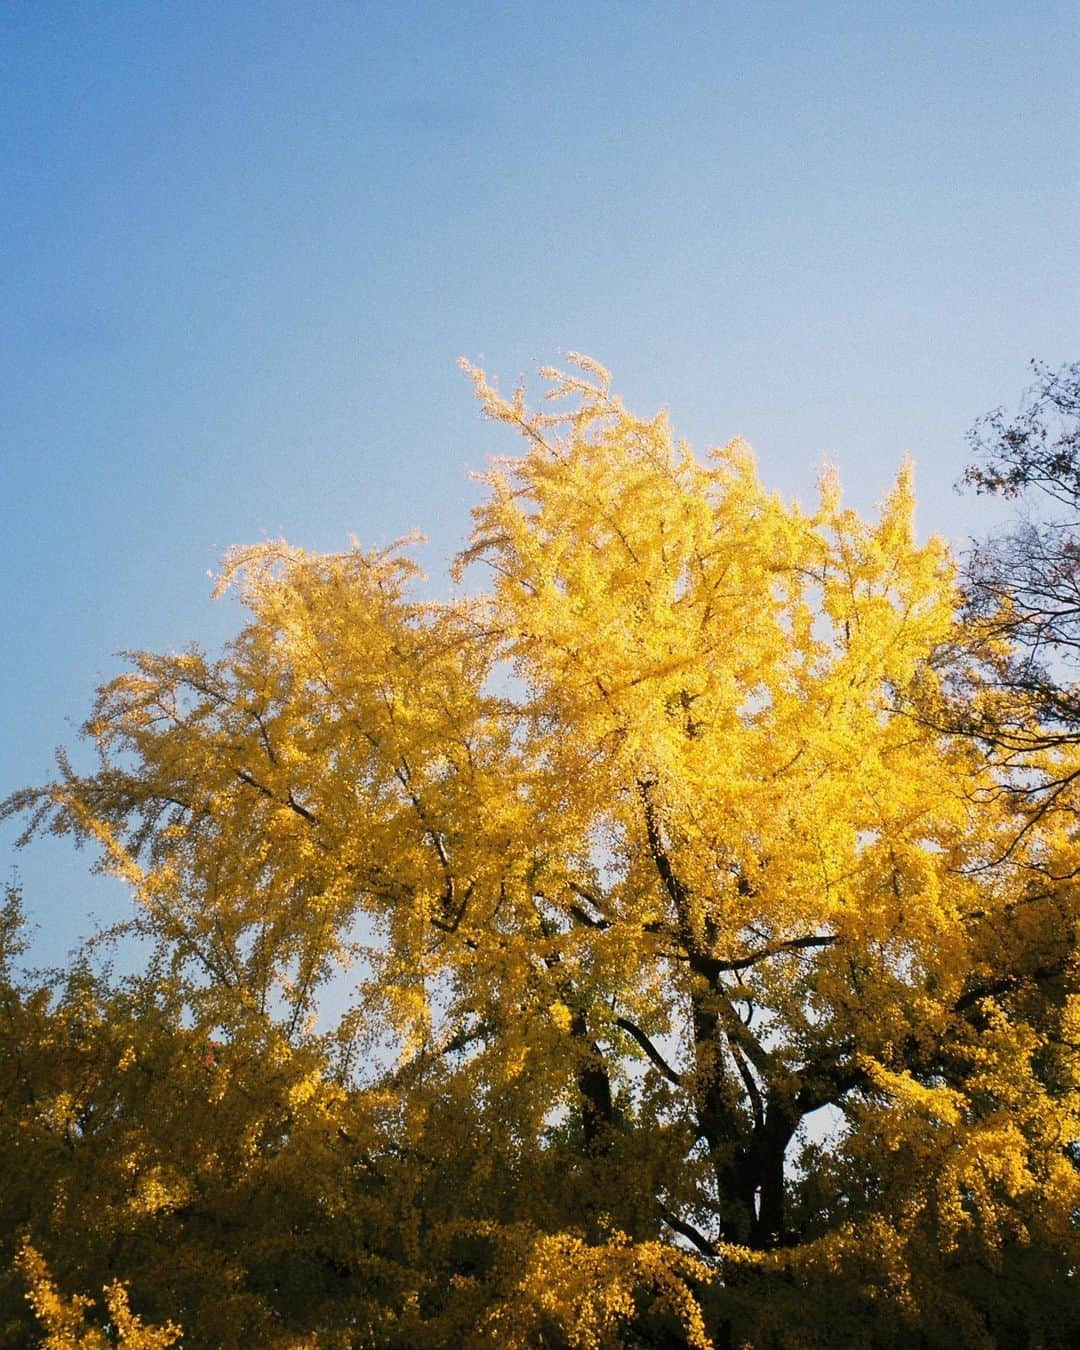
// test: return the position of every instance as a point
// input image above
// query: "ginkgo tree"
(704, 991)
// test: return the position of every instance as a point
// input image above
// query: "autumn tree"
(704, 991)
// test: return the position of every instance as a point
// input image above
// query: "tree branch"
(688, 1231)
(752, 1090)
(1007, 983)
(646, 1044)
(773, 949)
(247, 777)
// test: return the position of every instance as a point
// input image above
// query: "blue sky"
(244, 244)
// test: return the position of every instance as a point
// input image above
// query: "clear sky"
(242, 246)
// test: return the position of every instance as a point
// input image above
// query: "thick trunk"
(767, 1165)
(721, 1127)
(748, 1163)
(597, 1111)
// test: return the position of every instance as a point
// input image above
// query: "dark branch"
(774, 949)
(1007, 983)
(248, 778)
(646, 1044)
(300, 810)
(578, 913)
(688, 1231)
(751, 1086)
(674, 887)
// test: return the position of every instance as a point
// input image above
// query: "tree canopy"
(630, 950)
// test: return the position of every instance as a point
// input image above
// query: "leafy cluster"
(650, 949)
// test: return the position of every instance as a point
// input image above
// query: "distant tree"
(623, 924)
(1026, 579)
(1023, 587)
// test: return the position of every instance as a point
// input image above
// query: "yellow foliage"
(588, 1293)
(65, 1319)
(508, 950)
